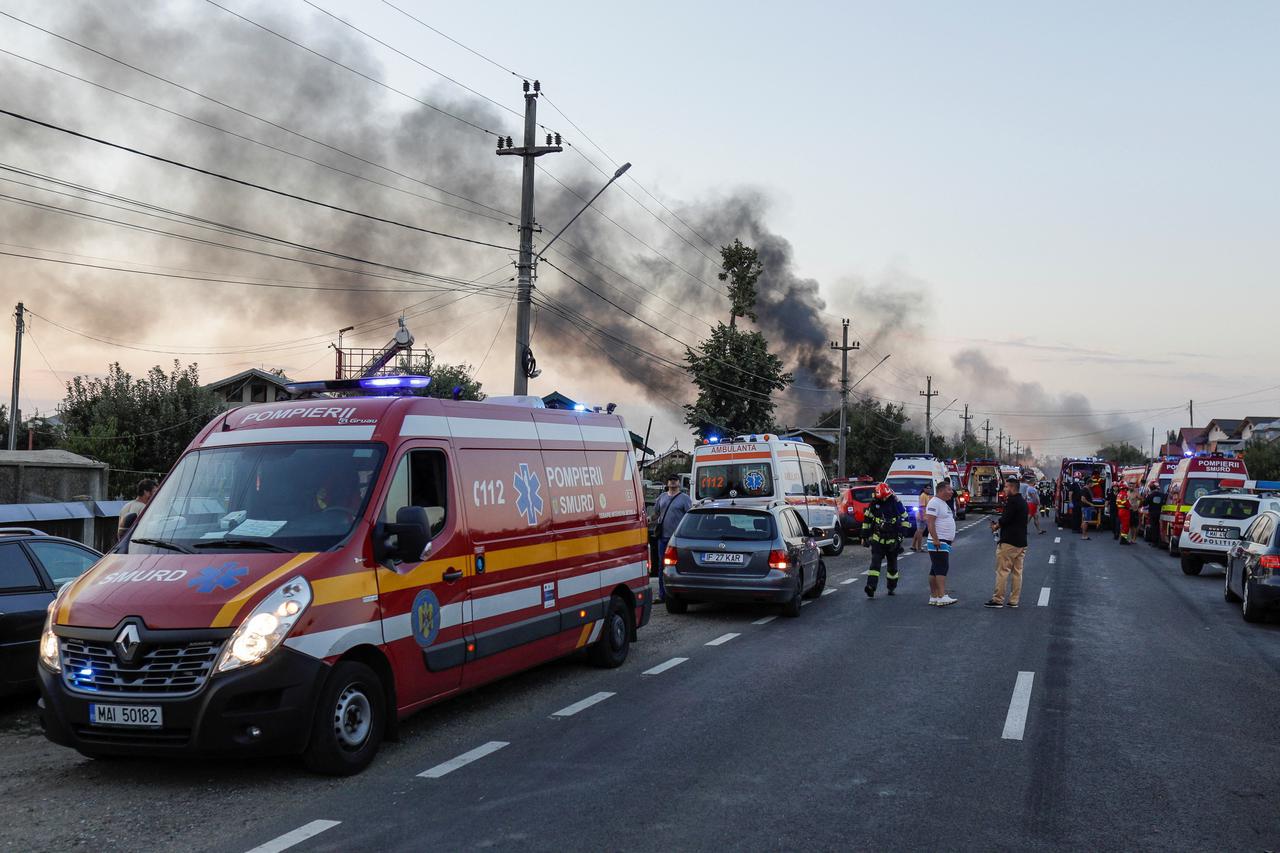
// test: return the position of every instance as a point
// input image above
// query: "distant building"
(1222, 435)
(1190, 440)
(1251, 425)
(251, 386)
(674, 459)
(58, 492)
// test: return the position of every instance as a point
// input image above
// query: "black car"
(33, 567)
(1253, 568)
(731, 552)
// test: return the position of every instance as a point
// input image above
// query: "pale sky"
(1087, 193)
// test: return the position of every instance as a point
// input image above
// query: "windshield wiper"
(244, 543)
(161, 543)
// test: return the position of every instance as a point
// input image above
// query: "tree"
(138, 423)
(736, 376)
(444, 377)
(1262, 458)
(876, 432)
(741, 267)
(1123, 453)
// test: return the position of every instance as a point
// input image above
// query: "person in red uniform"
(1123, 514)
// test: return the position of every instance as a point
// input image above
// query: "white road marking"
(804, 603)
(297, 836)
(663, 667)
(847, 581)
(829, 590)
(1057, 540)
(723, 638)
(765, 620)
(593, 699)
(1053, 558)
(463, 760)
(1016, 721)
(1044, 597)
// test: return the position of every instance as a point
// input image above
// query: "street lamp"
(622, 170)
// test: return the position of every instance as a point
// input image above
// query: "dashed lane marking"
(1057, 540)
(1053, 558)
(1044, 597)
(297, 836)
(722, 639)
(764, 620)
(463, 760)
(663, 667)
(829, 590)
(848, 581)
(1015, 722)
(804, 603)
(594, 699)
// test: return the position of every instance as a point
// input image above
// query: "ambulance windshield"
(748, 479)
(268, 497)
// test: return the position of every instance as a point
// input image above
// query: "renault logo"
(127, 643)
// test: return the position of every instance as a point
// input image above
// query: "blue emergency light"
(395, 382)
(377, 384)
(713, 439)
(578, 407)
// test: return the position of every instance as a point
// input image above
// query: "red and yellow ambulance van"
(312, 572)
(1194, 478)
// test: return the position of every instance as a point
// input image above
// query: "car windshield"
(909, 487)
(863, 494)
(748, 479)
(727, 525)
(1198, 487)
(279, 497)
(1234, 509)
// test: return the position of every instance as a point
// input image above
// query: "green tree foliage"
(736, 376)
(876, 432)
(1262, 458)
(1123, 453)
(741, 267)
(444, 377)
(140, 423)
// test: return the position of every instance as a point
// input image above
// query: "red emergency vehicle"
(313, 571)
(1090, 468)
(1195, 477)
(982, 480)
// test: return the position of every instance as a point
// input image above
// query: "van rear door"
(422, 603)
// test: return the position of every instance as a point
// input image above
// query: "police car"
(1216, 523)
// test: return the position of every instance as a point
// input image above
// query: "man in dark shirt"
(1154, 503)
(1012, 525)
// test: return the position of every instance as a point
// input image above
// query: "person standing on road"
(1012, 525)
(1031, 495)
(1123, 517)
(146, 491)
(885, 523)
(941, 522)
(1113, 493)
(926, 494)
(668, 511)
(1084, 499)
(1154, 504)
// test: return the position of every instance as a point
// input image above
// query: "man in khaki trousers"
(1012, 525)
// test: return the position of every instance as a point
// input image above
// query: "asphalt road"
(877, 724)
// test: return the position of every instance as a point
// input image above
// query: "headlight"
(49, 641)
(267, 626)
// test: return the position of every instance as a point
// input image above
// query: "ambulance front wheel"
(350, 721)
(611, 649)
(836, 548)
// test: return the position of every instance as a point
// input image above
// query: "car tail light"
(669, 556)
(1178, 518)
(778, 560)
(1270, 564)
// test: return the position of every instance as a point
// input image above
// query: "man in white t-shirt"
(942, 532)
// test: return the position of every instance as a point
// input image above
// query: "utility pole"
(1153, 442)
(19, 316)
(1017, 453)
(845, 348)
(986, 438)
(1000, 446)
(525, 366)
(964, 441)
(1191, 413)
(1010, 443)
(928, 395)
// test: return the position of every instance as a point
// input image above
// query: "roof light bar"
(377, 384)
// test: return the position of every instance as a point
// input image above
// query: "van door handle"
(452, 575)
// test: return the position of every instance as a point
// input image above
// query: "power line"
(470, 50)
(357, 72)
(250, 184)
(247, 114)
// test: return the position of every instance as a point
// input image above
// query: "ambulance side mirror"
(412, 529)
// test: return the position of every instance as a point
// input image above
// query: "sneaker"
(946, 600)
(891, 592)
(871, 593)
(1012, 604)
(993, 603)
(933, 602)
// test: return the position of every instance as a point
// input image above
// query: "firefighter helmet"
(882, 492)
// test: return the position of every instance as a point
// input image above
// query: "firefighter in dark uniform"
(885, 523)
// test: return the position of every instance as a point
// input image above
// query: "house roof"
(1258, 420)
(1230, 426)
(829, 435)
(58, 458)
(1191, 435)
(556, 400)
(659, 459)
(246, 375)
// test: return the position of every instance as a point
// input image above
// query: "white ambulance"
(765, 468)
(910, 473)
